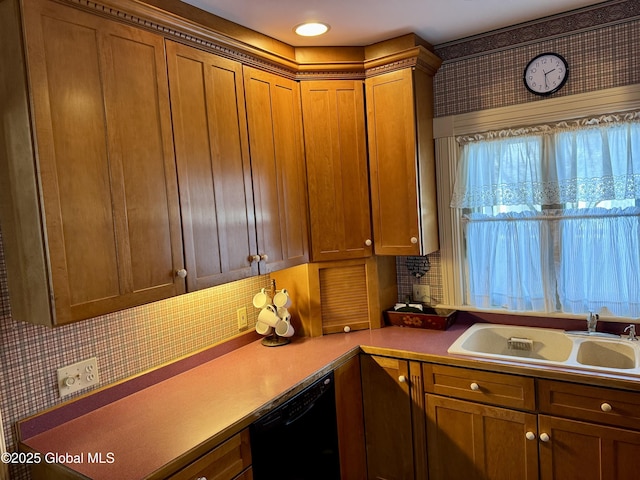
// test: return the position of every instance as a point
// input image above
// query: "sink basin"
(607, 353)
(577, 350)
(533, 344)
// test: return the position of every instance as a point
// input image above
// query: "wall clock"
(546, 73)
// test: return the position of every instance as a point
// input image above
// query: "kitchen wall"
(600, 43)
(125, 343)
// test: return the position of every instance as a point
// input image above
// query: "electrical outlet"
(421, 293)
(242, 318)
(78, 376)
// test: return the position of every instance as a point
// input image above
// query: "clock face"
(546, 74)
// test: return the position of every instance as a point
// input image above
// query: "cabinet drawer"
(596, 404)
(224, 462)
(486, 387)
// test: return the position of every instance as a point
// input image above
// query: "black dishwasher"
(299, 439)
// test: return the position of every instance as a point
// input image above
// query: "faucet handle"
(632, 332)
(592, 321)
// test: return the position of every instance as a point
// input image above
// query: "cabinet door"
(472, 441)
(105, 152)
(584, 451)
(387, 418)
(393, 163)
(350, 420)
(278, 169)
(337, 175)
(212, 153)
(402, 162)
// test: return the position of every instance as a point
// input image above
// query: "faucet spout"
(592, 322)
(632, 332)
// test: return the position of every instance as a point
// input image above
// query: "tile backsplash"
(125, 343)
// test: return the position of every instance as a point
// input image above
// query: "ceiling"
(363, 22)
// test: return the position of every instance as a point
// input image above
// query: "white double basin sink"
(578, 350)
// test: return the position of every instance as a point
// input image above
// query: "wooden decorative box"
(434, 319)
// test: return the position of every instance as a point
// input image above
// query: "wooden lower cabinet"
(229, 461)
(469, 440)
(584, 451)
(353, 457)
(393, 418)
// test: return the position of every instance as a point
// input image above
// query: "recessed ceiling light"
(311, 29)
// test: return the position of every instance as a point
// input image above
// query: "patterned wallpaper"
(125, 343)
(600, 43)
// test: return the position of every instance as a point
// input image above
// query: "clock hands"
(545, 76)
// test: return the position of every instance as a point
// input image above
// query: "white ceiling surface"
(363, 22)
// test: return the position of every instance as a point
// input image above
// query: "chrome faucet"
(592, 321)
(632, 332)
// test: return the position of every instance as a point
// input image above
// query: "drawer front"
(225, 462)
(505, 390)
(597, 404)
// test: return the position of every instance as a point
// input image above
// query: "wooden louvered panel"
(343, 298)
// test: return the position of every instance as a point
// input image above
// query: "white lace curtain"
(564, 259)
(589, 160)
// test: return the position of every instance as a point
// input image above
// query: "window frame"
(447, 129)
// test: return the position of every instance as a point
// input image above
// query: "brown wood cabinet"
(393, 418)
(600, 437)
(90, 216)
(229, 461)
(474, 441)
(350, 420)
(577, 450)
(401, 161)
(214, 171)
(337, 174)
(278, 167)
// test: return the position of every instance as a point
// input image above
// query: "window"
(552, 217)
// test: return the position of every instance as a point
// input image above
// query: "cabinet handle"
(254, 258)
(530, 436)
(414, 240)
(201, 478)
(264, 256)
(402, 379)
(182, 273)
(544, 437)
(368, 242)
(606, 407)
(474, 386)
(347, 329)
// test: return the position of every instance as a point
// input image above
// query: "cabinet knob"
(347, 329)
(368, 242)
(264, 256)
(402, 379)
(544, 437)
(414, 240)
(201, 478)
(530, 436)
(474, 386)
(254, 258)
(182, 273)
(606, 407)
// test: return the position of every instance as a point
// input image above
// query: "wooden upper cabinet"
(401, 161)
(214, 171)
(278, 169)
(107, 232)
(337, 175)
